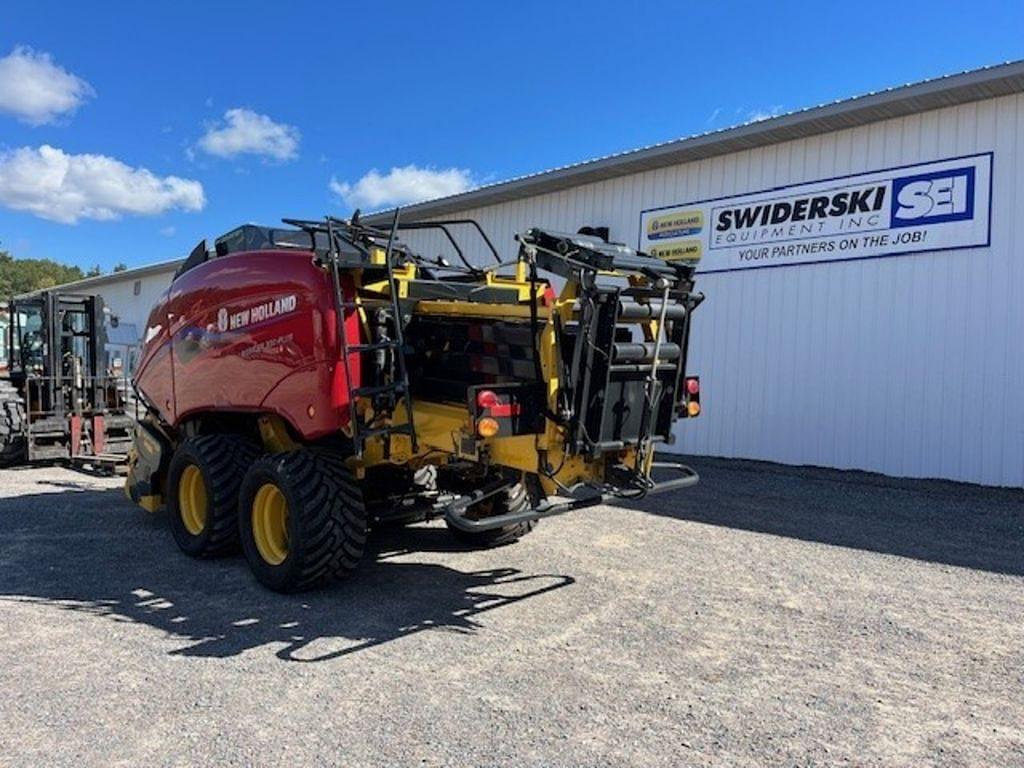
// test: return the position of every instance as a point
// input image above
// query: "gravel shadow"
(92, 551)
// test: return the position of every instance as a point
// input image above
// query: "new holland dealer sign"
(932, 206)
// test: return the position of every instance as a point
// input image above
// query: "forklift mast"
(57, 349)
(5, 337)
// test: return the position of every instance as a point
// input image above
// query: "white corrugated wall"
(910, 366)
(120, 297)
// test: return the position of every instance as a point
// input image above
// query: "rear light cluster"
(690, 405)
(491, 409)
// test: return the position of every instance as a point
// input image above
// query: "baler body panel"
(252, 331)
(154, 374)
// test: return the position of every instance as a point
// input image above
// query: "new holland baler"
(305, 383)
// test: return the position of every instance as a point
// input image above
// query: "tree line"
(25, 275)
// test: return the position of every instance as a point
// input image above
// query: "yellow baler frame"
(443, 428)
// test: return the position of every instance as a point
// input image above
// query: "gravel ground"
(771, 616)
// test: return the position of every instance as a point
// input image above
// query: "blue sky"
(130, 131)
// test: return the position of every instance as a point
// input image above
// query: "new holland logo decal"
(258, 313)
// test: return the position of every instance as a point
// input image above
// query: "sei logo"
(932, 198)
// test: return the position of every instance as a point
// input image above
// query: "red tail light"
(692, 385)
(487, 399)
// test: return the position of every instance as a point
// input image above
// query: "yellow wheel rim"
(270, 523)
(193, 501)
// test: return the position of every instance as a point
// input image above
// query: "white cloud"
(399, 186)
(248, 132)
(37, 91)
(168, 231)
(60, 187)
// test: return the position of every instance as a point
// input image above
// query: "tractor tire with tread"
(302, 520)
(398, 496)
(211, 511)
(12, 425)
(515, 499)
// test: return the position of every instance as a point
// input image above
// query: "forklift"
(59, 399)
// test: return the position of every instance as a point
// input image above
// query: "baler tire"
(515, 499)
(302, 520)
(385, 489)
(12, 426)
(221, 461)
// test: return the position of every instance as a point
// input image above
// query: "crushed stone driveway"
(770, 616)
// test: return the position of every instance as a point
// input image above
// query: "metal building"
(902, 355)
(865, 288)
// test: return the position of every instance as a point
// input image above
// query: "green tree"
(120, 267)
(25, 275)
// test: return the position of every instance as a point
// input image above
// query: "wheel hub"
(193, 500)
(270, 524)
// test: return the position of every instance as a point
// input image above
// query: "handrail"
(443, 223)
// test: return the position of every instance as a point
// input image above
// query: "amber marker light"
(487, 427)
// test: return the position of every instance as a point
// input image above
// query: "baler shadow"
(91, 551)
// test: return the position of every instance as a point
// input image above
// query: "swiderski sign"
(933, 206)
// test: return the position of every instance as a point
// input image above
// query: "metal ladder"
(400, 386)
(652, 388)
